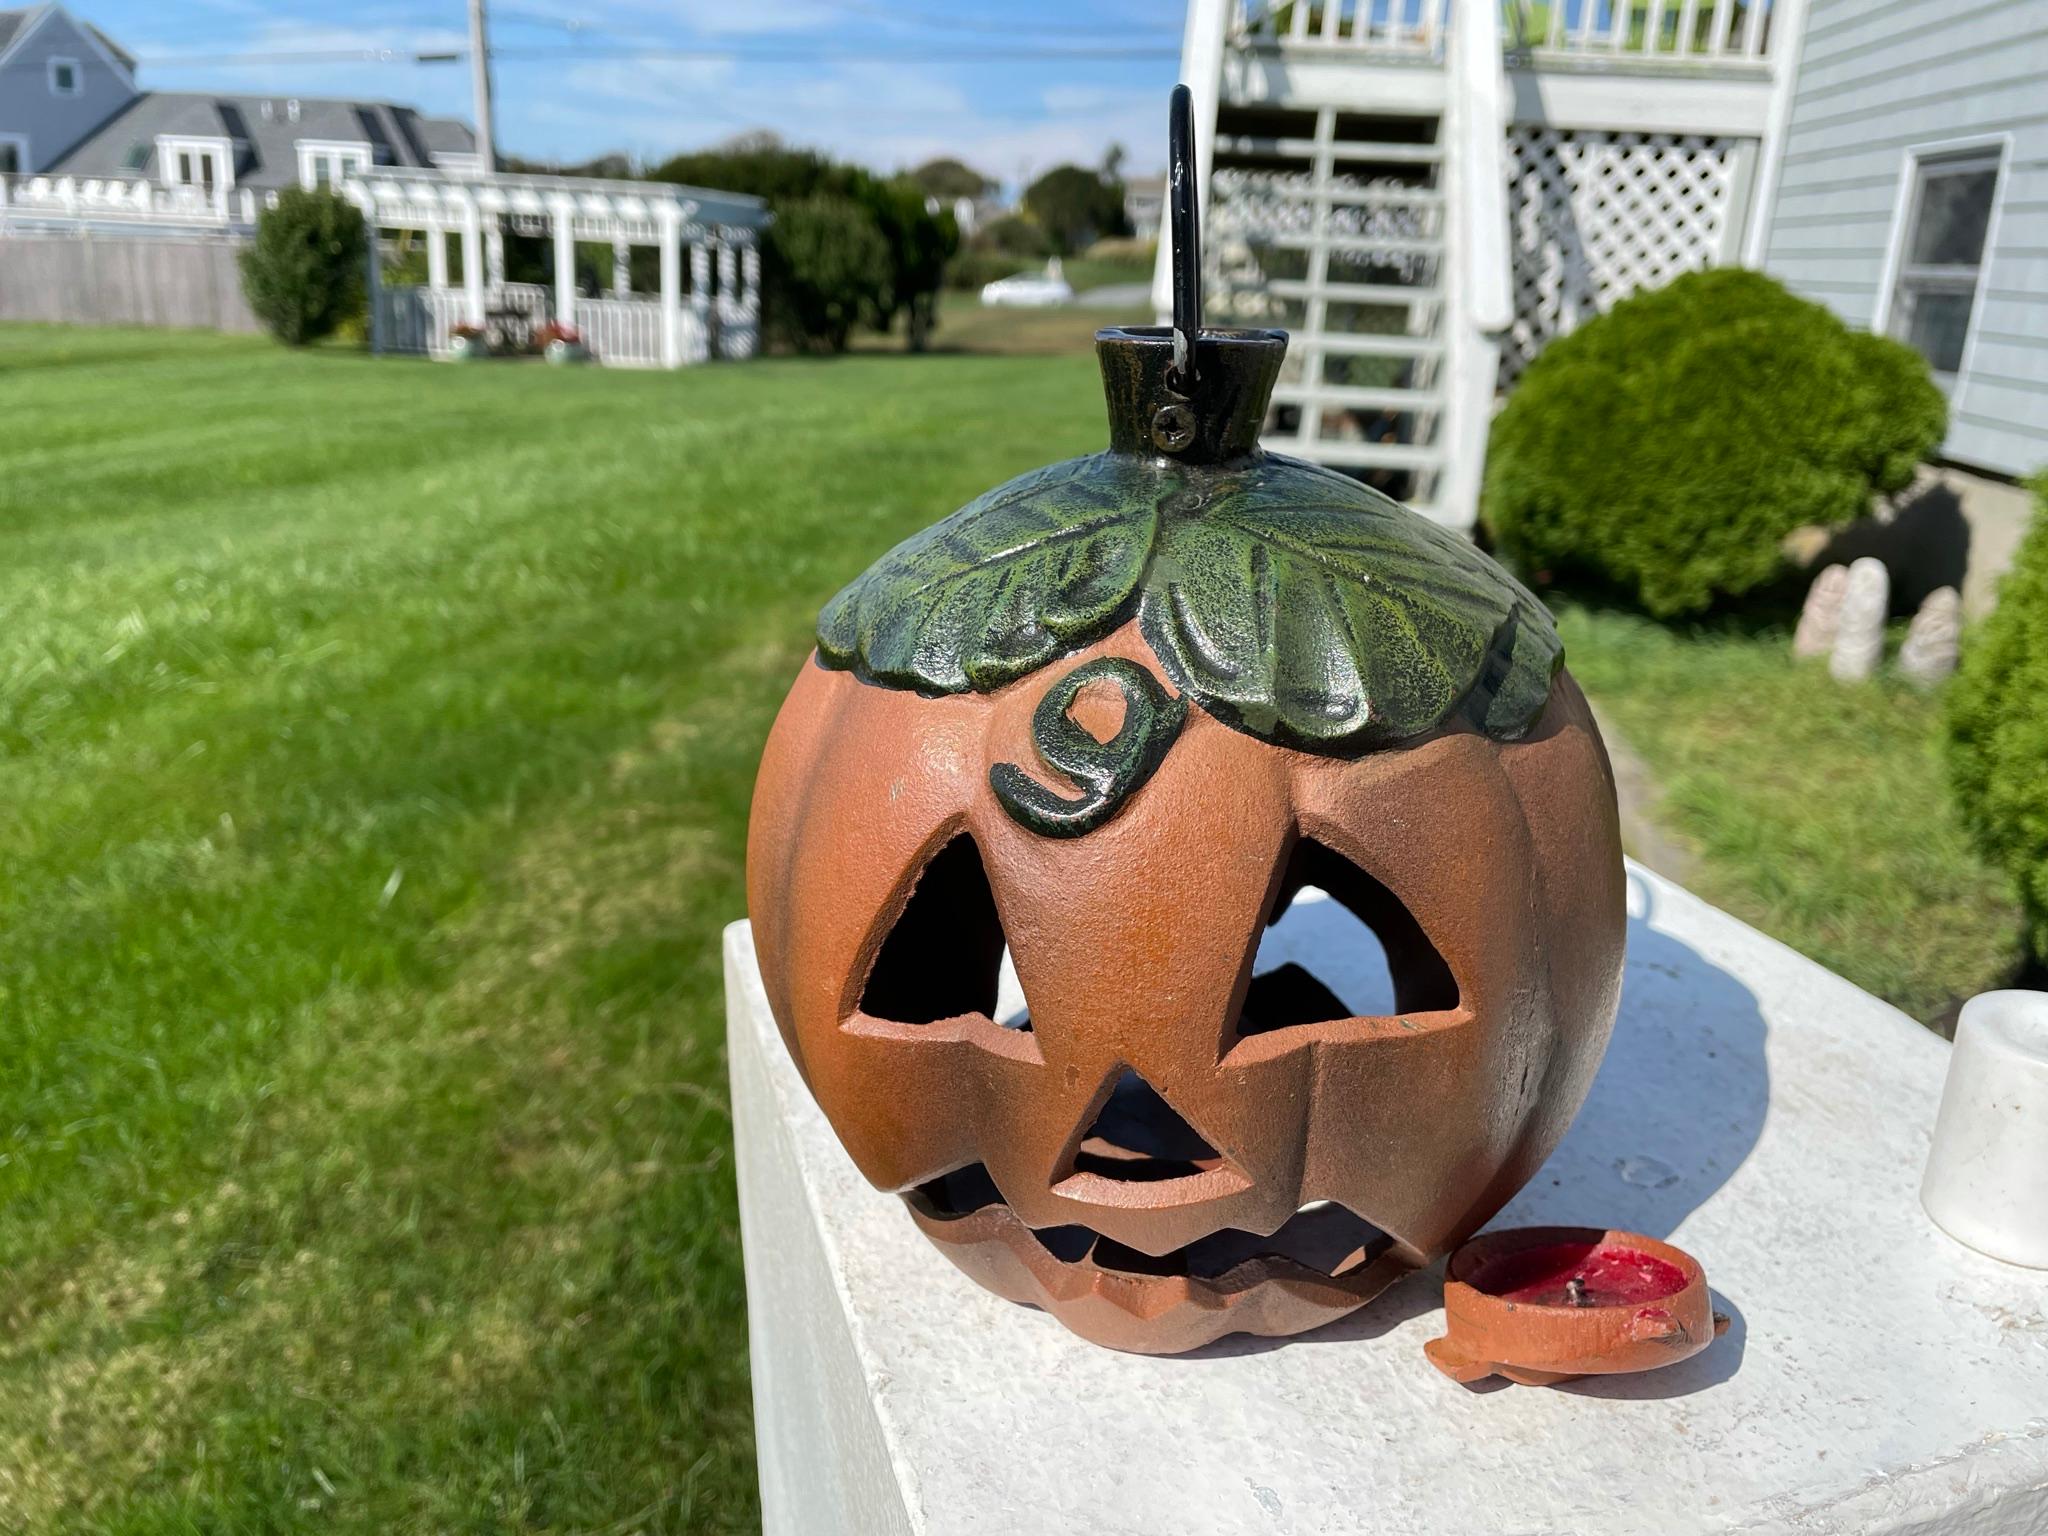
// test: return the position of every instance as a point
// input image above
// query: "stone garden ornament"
(1822, 614)
(1859, 634)
(1109, 720)
(1928, 658)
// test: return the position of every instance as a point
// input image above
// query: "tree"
(949, 179)
(817, 293)
(920, 244)
(305, 274)
(1076, 207)
(831, 268)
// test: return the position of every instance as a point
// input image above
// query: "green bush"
(305, 274)
(1998, 727)
(830, 267)
(1668, 446)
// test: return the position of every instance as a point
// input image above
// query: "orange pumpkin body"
(1490, 869)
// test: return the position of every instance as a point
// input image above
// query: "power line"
(638, 52)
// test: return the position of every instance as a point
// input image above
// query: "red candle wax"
(1580, 1275)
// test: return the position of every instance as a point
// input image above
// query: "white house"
(1427, 191)
(87, 154)
(59, 80)
(1910, 195)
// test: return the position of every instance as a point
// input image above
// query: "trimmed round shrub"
(305, 275)
(1997, 720)
(1667, 447)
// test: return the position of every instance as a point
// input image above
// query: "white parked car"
(1028, 290)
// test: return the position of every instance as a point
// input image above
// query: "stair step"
(1349, 293)
(1357, 455)
(1377, 197)
(1398, 245)
(1360, 396)
(1391, 154)
(1366, 344)
(1351, 150)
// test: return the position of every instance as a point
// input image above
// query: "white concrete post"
(437, 259)
(494, 253)
(750, 268)
(622, 268)
(564, 228)
(671, 222)
(472, 260)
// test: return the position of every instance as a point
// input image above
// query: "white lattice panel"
(1597, 216)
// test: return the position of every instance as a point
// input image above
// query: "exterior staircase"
(1360, 160)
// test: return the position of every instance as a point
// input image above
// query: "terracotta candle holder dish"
(1540, 1305)
(1103, 726)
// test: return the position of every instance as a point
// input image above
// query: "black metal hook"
(1184, 200)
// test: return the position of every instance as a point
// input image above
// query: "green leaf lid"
(1288, 601)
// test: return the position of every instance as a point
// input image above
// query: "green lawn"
(1819, 813)
(375, 745)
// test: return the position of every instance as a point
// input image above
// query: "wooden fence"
(95, 279)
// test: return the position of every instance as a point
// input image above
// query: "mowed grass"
(1820, 813)
(375, 747)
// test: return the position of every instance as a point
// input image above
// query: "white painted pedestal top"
(1754, 1108)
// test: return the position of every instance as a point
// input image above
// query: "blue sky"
(578, 77)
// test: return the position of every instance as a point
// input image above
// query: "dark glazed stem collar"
(1219, 417)
(1191, 394)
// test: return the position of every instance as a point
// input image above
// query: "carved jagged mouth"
(1322, 1236)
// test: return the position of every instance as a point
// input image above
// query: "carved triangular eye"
(1340, 945)
(942, 955)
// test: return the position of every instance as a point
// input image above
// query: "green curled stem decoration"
(1108, 772)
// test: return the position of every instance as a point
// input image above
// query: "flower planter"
(468, 349)
(566, 354)
(1540, 1305)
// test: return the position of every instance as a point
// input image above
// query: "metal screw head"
(1173, 428)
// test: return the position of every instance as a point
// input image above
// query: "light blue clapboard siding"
(1878, 78)
(32, 111)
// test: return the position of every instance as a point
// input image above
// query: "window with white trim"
(326, 165)
(1941, 255)
(65, 79)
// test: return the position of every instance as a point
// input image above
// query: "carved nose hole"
(1340, 945)
(1139, 1138)
(944, 953)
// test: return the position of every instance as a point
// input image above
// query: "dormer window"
(65, 79)
(328, 163)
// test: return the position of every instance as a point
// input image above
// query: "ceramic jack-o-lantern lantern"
(1103, 726)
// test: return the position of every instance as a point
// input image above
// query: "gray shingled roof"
(265, 135)
(10, 23)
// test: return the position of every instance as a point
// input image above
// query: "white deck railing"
(125, 200)
(1708, 31)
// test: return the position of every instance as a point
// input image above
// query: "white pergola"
(720, 229)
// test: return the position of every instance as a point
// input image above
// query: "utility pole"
(480, 84)
(486, 142)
